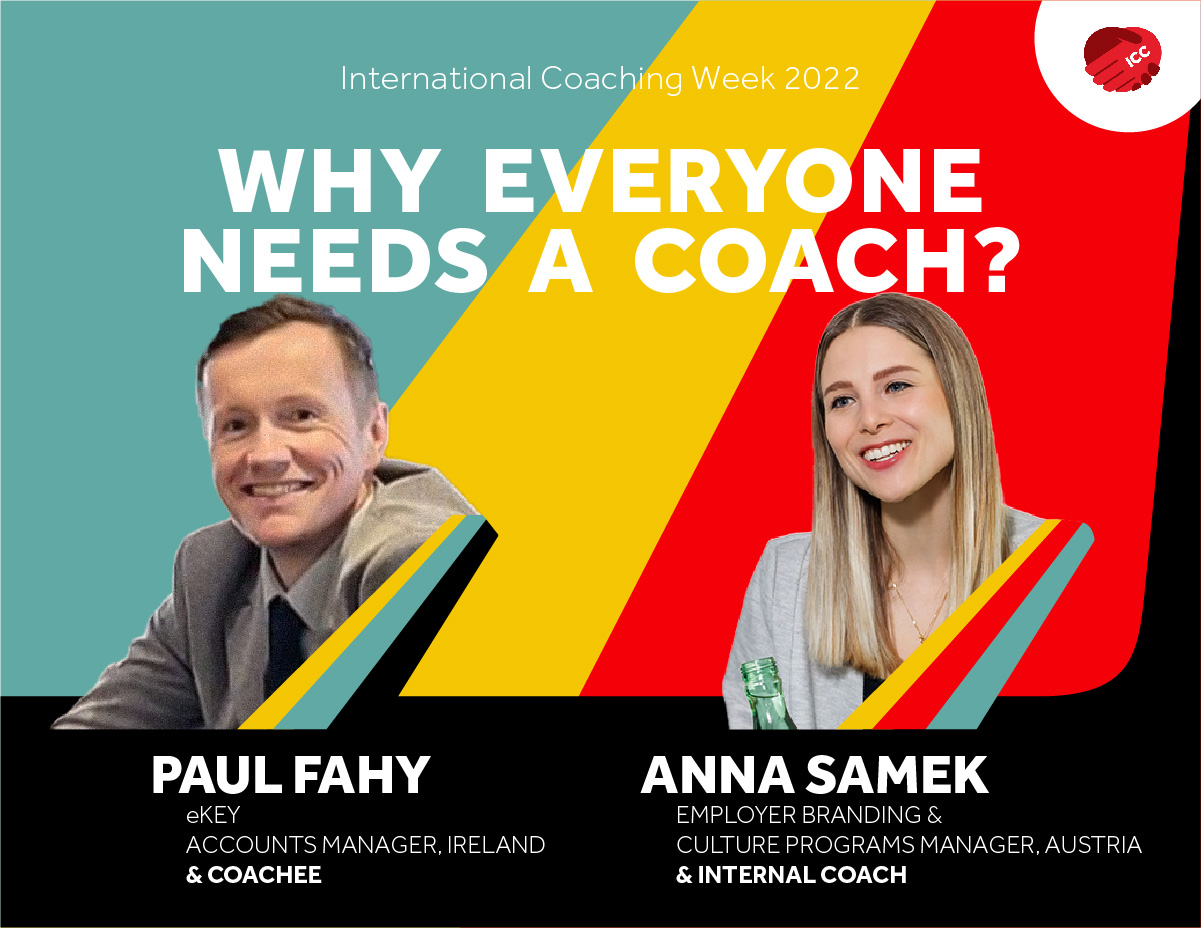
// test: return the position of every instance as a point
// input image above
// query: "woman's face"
(886, 415)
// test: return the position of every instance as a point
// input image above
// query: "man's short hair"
(279, 311)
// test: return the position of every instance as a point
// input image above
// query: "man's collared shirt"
(315, 596)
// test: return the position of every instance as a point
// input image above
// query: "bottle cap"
(760, 666)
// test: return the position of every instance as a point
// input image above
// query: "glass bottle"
(762, 682)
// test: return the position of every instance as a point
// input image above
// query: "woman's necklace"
(921, 639)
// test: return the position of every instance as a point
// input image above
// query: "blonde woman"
(908, 517)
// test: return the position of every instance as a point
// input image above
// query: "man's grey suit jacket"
(200, 662)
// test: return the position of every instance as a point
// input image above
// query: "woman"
(908, 518)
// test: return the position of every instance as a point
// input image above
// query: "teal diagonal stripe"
(972, 698)
(326, 697)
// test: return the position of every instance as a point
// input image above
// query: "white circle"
(1062, 28)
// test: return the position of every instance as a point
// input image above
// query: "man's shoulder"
(212, 564)
(217, 544)
(416, 490)
(410, 504)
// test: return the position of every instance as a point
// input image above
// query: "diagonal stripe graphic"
(375, 704)
(954, 684)
(877, 706)
(753, 483)
(927, 694)
(315, 693)
(890, 692)
(596, 406)
(970, 701)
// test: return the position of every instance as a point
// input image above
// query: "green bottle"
(762, 682)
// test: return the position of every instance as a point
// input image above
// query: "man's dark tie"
(283, 644)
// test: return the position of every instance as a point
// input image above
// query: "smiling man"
(319, 519)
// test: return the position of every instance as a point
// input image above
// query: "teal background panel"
(112, 115)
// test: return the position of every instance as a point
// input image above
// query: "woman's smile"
(879, 457)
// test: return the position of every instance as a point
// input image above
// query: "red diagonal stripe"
(929, 692)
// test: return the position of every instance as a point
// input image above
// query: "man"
(319, 519)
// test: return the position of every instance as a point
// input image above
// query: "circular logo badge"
(1159, 56)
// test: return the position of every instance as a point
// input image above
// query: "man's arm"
(152, 687)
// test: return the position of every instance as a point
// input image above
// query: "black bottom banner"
(549, 811)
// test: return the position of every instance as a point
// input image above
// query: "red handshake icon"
(1122, 60)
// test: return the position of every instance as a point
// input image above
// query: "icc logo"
(1122, 60)
(1138, 56)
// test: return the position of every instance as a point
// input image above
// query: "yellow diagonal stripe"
(574, 420)
(876, 706)
(280, 703)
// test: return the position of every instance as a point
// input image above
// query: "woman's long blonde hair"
(851, 560)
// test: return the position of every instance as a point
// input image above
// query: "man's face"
(292, 446)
